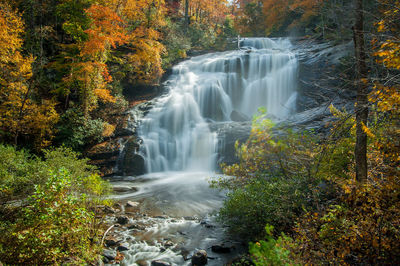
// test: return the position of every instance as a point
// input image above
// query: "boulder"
(132, 204)
(122, 220)
(159, 263)
(229, 133)
(123, 247)
(199, 258)
(109, 255)
(111, 241)
(132, 163)
(220, 249)
(237, 116)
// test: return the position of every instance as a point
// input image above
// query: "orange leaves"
(104, 95)
(106, 31)
(19, 113)
(279, 12)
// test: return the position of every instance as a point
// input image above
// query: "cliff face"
(323, 68)
(323, 71)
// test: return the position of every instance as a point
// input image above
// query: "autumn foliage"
(20, 113)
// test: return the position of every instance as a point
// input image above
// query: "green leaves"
(55, 223)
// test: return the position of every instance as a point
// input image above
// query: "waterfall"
(207, 89)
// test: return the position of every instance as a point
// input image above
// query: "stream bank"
(167, 216)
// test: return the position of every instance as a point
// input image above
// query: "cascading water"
(180, 150)
(207, 89)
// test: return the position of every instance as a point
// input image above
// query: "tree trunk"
(362, 94)
(186, 15)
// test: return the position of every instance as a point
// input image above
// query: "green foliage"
(75, 21)
(176, 43)
(76, 131)
(20, 172)
(226, 31)
(275, 201)
(55, 227)
(201, 35)
(276, 180)
(271, 251)
(47, 206)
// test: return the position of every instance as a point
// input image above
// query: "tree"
(281, 15)
(20, 112)
(250, 19)
(362, 94)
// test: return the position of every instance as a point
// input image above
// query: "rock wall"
(320, 84)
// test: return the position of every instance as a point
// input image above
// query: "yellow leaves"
(278, 12)
(106, 31)
(386, 98)
(367, 131)
(19, 113)
(104, 95)
(108, 130)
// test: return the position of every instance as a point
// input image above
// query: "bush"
(47, 207)
(275, 201)
(20, 172)
(54, 228)
(75, 131)
(275, 182)
(271, 251)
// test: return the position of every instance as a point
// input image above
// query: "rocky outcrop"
(319, 86)
(320, 74)
(199, 258)
(131, 163)
(228, 134)
(105, 155)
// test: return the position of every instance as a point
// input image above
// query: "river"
(177, 207)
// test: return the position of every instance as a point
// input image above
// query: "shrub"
(20, 172)
(271, 251)
(75, 131)
(53, 219)
(275, 182)
(54, 228)
(275, 201)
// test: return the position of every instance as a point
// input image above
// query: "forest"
(70, 68)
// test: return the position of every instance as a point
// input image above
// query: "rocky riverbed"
(167, 219)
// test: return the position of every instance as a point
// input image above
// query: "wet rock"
(185, 254)
(161, 217)
(190, 218)
(108, 210)
(220, 249)
(238, 116)
(141, 263)
(109, 255)
(123, 132)
(111, 241)
(136, 226)
(120, 189)
(118, 206)
(230, 132)
(168, 244)
(131, 206)
(122, 220)
(123, 247)
(159, 263)
(199, 258)
(132, 163)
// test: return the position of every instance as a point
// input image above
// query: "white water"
(206, 89)
(180, 150)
